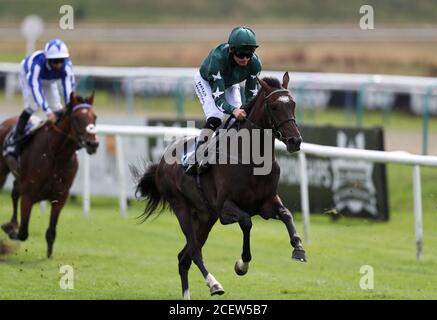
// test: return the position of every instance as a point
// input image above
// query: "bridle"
(78, 138)
(276, 125)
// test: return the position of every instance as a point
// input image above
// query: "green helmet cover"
(242, 37)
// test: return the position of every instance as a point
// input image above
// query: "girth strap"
(203, 196)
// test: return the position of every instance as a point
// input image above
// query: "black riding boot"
(12, 158)
(205, 135)
(19, 131)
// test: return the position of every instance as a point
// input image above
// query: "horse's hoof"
(299, 254)
(9, 228)
(13, 235)
(186, 295)
(217, 289)
(22, 236)
(241, 267)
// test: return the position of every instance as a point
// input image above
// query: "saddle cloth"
(187, 157)
(32, 126)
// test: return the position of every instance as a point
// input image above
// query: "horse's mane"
(272, 82)
(79, 99)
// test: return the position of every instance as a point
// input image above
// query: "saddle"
(32, 126)
(187, 157)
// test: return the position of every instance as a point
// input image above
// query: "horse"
(229, 192)
(48, 165)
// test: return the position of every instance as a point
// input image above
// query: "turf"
(116, 258)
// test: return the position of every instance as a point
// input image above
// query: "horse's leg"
(275, 209)
(242, 265)
(7, 227)
(12, 226)
(202, 233)
(26, 208)
(51, 231)
(184, 265)
(4, 171)
(193, 247)
(231, 213)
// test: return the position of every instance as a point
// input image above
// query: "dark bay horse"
(229, 192)
(48, 165)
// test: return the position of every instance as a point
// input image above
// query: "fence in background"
(310, 88)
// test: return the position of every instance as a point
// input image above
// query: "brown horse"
(48, 165)
(230, 192)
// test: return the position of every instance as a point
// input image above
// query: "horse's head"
(83, 122)
(279, 112)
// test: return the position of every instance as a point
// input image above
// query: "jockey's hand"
(239, 114)
(51, 118)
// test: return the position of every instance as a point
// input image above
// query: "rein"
(67, 135)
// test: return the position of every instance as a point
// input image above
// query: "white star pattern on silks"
(253, 76)
(217, 93)
(254, 91)
(217, 76)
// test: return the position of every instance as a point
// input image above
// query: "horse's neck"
(61, 146)
(258, 122)
(256, 112)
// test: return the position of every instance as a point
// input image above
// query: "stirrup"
(191, 169)
(202, 168)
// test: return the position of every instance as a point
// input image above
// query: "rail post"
(418, 211)
(129, 94)
(86, 201)
(121, 175)
(425, 118)
(360, 104)
(304, 195)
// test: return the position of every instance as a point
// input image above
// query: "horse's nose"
(93, 143)
(296, 141)
(92, 146)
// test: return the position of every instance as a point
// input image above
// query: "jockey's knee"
(26, 113)
(213, 123)
(29, 109)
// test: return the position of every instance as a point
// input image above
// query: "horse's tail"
(147, 190)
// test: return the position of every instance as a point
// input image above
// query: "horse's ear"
(285, 80)
(90, 99)
(263, 84)
(73, 100)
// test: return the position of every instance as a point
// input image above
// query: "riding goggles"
(56, 61)
(244, 54)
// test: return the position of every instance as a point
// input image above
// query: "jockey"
(217, 83)
(38, 79)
